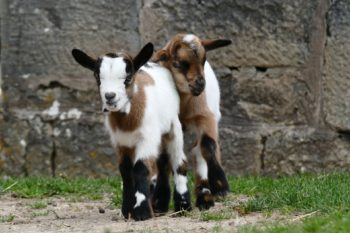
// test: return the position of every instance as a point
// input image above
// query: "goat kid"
(185, 56)
(142, 106)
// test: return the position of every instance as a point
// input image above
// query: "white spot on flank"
(180, 184)
(23, 143)
(36, 11)
(54, 110)
(25, 76)
(139, 199)
(46, 30)
(188, 38)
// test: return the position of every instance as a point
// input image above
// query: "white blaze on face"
(112, 77)
(191, 41)
(189, 38)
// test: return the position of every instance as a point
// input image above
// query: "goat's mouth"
(196, 91)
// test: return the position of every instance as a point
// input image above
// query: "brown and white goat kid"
(185, 56)
(142, 106)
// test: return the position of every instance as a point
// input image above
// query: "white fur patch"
(180, 184)
(189, 38)
(202, 167)
(212, 91)
(112, 77)
(139, 199)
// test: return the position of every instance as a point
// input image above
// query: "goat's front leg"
(125, 167)
(145, 155)
(142, 207)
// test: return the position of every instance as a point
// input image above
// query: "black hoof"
(218, 182)
(182, 202)
(142, 212)
(204, 200)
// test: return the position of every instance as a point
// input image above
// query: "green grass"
(77, 188)
(38, 205)
(6, 218)
(330, 223)
(215, 215)
(305, 193)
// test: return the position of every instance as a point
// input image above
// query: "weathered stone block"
(298, 150)
(241, 151)
(336, 80)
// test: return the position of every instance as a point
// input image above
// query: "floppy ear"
(144, 55)
(214, 44)
(84, 60)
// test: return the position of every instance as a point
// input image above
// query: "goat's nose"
(109, 95)
(200, 82)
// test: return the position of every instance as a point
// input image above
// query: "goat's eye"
(127, 80)
(183, 65)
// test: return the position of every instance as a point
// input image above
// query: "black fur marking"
(209, 144)
(217, 179)
(83, 59)
(204, 199)
(143, 56)
(143, 211)
(216, 175)
(111, 55)
(182, 202)
(161, 194)
(125, 168)
(97, 71)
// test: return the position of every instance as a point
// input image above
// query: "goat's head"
(185, 56)
(114, 73)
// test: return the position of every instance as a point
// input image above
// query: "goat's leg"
(204, 198)
(210, 150)
(161, 193)
(182, 197)
(125, 167)
(142, 209)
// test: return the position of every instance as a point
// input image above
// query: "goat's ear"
(143, 56)
(161, 55)
(83, 59)
(214, 44)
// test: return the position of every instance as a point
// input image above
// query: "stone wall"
(285, 80)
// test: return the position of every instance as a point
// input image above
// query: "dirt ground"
(62, 215)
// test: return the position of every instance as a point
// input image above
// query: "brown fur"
(131, 121)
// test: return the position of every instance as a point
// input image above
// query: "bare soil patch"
(62, 215)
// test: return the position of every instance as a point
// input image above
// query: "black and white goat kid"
(142, 107)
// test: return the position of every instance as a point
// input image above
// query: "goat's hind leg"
(182, 196)
(161, 193)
